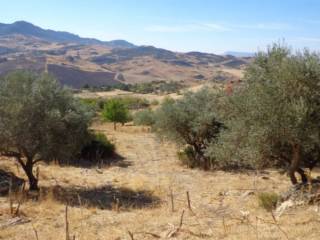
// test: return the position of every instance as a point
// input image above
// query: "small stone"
(247, 193)
(244, 214)
(280, 210)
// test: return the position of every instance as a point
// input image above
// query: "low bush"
(154, 102)
(144, 117)
(144, 88)
(134, 103)
(267, 200)
(98, 149)
(95, 104)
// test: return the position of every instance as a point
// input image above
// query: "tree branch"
(10, 154)
(36, 160)
(16, 155)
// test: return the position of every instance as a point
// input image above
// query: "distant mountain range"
(240, 54)
(77, 61)
(28, 29)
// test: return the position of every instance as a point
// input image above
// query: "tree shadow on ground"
(103, 197)
(9, 182)
(114, 160)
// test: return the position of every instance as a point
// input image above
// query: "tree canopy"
(275, 115)
(192, 121)
(115, 111)
(39, 120)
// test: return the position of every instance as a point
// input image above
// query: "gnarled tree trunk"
(33, 181)
(295, 163)
(28, 169)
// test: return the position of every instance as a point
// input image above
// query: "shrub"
(169, 87)
(142, 88)
(267, 200)
(154, 102)
(90, 103)
(191, 120)
(98, 149)
(133, 103)
(144, 117)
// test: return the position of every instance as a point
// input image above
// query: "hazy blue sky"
(181, 25)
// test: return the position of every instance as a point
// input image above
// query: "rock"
(283, 206)
(229, 193)
(244, 214)
(297, 195)
(247, 193)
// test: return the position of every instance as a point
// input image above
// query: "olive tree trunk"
(295, 162)
(28, 169)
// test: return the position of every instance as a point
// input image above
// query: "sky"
(213, 26)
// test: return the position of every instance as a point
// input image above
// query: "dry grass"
(133, 200)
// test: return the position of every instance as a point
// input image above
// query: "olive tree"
(274, 117)
(39, 121)
(192, 122)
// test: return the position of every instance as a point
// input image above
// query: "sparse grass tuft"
(268, 200)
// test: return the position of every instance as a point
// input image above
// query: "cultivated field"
(143, 195)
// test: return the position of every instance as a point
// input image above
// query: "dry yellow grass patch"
(136, 197)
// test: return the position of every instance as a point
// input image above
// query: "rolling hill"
(28, 29)
(78, 61)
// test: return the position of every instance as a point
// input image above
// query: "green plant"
(96, 104)
(40, 121)
(154, 102)
(193, 121)
(98, 148)
(134, 103)
(267, 200)
(274, 116)
(144, 117)
(115, 111)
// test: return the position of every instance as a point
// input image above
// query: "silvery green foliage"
(191, 121)
(144, 117)
(39, 118)
(278, 107)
